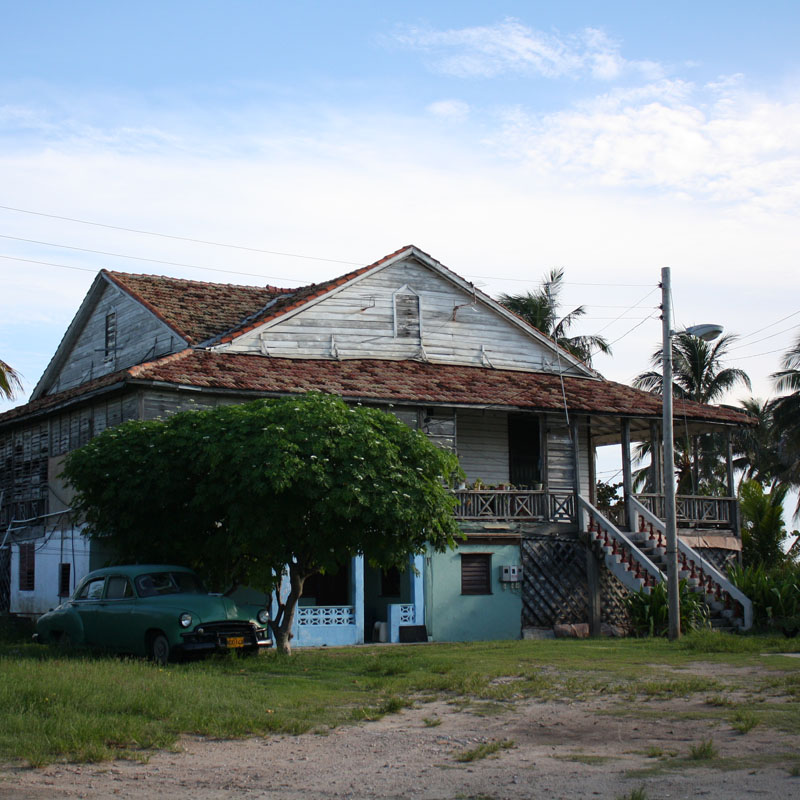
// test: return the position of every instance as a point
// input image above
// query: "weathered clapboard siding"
(159, 405)
(482, 445)
(140, 336)
(560, 459)
(23, 477)
(358, 322)
(72, 429)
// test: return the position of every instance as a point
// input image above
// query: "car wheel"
(159, 649)
(64, 641)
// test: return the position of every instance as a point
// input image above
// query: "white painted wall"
(67, 547)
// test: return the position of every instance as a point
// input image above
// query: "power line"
(764, 338)
(261, 250)
(179, 238)
(142, 258)
(758, 355)
(777, 322)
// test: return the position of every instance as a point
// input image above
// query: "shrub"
(775, 594)
(650, 612)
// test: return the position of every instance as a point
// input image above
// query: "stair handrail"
(708, 567)
(616, 533)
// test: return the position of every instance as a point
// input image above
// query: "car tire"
(64, 642)
(159, 649)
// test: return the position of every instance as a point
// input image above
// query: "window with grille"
(111, 335)
(476, 573)
(64, 575)
(27, 572)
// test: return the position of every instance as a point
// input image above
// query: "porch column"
(627, 478)
(735, 521)
(417, 566)
(357, 595)
(656, 484)
(576, 464)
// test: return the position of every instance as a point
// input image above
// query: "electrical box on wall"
(511, 573)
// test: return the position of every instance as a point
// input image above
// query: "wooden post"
(543, 459)
(735, 520)
(627, 477)
(656, 486)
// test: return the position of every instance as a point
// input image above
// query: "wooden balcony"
(526, 505)
(521, 505)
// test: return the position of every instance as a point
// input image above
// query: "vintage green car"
(158, 611)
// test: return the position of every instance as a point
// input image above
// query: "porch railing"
(700, 572)
(694, 511)
(326, 615)
(554, 505)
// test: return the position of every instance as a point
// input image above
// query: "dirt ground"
(555, 750)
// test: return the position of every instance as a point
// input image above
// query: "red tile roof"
(415, 381)
(393, 381)
(197, 310)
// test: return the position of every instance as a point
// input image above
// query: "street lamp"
(707, 333)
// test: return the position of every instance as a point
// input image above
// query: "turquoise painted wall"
(453, 617)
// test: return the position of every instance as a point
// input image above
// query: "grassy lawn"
(84, 707)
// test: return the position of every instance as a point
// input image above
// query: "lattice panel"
(719, 557)
(555, 588)
(612, 597)
(554, 585)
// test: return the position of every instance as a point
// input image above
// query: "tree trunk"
(282, 624)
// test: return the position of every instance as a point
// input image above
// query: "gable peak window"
(110, 348)
(407, 313)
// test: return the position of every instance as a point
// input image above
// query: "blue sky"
(610, 139)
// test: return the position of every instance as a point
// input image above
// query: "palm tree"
(540, 309)
(9, 381)
(756, 449)
(698, 375)
(786, 416)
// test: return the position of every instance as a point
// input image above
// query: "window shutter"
(476, 573)
(27, 565)
(406, 309)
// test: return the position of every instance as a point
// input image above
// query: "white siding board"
(361, 317)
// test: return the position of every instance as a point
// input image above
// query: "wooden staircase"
(638, 560)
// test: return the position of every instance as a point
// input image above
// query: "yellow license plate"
(236, 641)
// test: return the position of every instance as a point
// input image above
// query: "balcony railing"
(515, 504)
(695, 511)
(527, 505)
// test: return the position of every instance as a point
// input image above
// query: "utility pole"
(673, 589)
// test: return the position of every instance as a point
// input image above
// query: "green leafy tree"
(540, 309)
(245, 494)
(763, 531)
(10, 381)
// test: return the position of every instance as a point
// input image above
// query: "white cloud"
(449, 109)
(714, 142)
(511, 47)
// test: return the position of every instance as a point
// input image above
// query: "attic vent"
(110, 349)
(406, 314)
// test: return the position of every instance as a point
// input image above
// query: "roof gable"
(354, 316)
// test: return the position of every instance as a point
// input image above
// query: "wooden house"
(408, 335)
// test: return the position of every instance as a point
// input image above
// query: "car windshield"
(158, 583)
